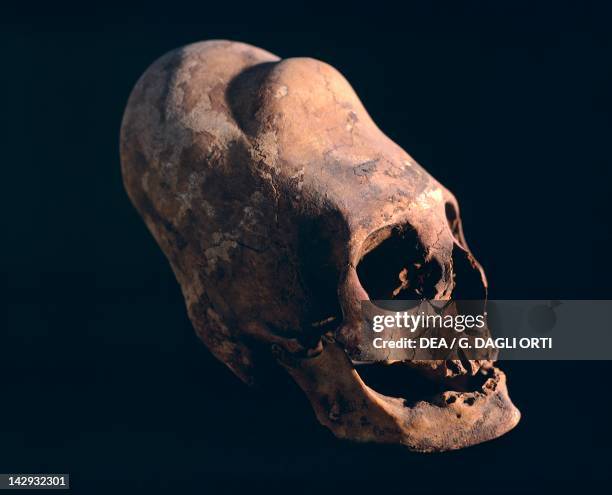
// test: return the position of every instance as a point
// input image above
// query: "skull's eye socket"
(395, 268)
(452, 217)
(454, 223)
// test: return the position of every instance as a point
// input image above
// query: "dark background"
(101, 375)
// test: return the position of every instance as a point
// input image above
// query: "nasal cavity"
(394, 266)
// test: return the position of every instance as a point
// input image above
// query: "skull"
(281, 206)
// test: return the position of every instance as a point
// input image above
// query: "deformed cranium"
(280, 206)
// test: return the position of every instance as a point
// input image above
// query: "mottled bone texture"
(265, 182)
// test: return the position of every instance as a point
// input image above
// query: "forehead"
(325, 141)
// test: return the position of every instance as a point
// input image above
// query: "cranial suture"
(280, 206)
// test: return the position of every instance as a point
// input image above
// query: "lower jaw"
(420, 383)
(360, 404)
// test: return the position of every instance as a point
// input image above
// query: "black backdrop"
(101, 375)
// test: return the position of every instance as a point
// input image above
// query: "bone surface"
(280, 206)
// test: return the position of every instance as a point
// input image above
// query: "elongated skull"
(281, 206)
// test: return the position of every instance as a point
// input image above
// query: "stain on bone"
(366, 168)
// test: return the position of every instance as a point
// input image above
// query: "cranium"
(280, 206)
